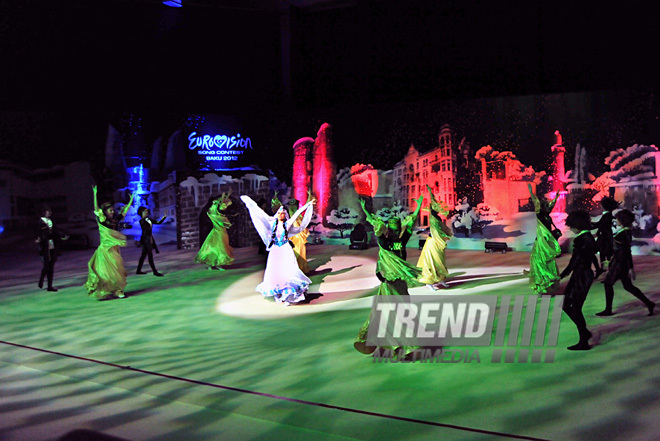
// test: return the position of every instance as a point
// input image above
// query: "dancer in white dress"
(283, 279)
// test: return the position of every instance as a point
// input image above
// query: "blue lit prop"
(173, 3)
(138, 185)
(138, 182)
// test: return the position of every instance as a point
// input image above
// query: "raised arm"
(127, 206)
(420, 200)
(300, 211)
(262, 222)
(364, 208)
(309, 206)
(275, 203)
(435, 205)
(430, 190)
(535, 200)
(96, 202)
(409, 221)
(376, 222)
(552, 203)
(310, 196)
(97, 210)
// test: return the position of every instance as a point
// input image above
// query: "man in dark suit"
(48, 239)
(147, 240)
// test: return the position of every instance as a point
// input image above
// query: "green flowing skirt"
(215, 250)
(432, 261)
(396, 276)
(543, 270)
(106, 278)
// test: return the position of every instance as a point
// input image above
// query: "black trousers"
(147, 252)
(576, 293)
(48, 268)
(628, 286)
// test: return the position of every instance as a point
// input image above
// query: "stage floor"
(199, 355)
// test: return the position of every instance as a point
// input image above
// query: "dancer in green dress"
(107, 275)
(543, 270)
(394, 273)
(215, 250)
(432, 257)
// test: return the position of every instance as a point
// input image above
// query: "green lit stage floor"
(199, 355)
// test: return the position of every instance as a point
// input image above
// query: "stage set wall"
(477, 155)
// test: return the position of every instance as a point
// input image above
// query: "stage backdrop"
(480, 157)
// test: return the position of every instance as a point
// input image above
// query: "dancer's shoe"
(605, 313)
(651, 308)
(580, 346)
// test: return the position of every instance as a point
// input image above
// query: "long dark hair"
(274, 232)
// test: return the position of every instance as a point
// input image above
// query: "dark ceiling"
(226, 56)
(262, 5)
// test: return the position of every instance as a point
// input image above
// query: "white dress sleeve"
(292, 231)
(262, 222)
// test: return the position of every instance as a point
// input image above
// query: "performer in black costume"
(147, 240)
(582, 276)
(621, 265)
(605, 237)
(48, 238)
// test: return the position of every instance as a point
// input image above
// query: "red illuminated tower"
(324, 179)
(302, 168)
(558, 171)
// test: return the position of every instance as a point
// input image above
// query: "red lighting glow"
(302, 168)
(324, 177)
(365, 180)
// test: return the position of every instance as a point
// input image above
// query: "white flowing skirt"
(283, 279)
